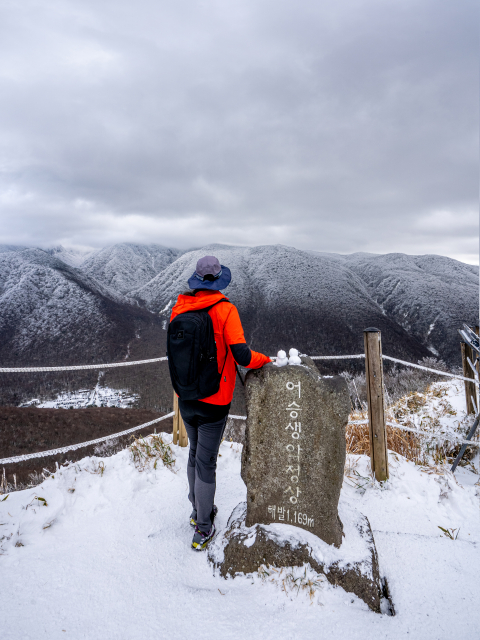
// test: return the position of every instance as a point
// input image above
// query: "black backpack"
(192, 355)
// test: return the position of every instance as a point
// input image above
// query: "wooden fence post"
(470, 389)
(476, 394)
(175, 418)
(182, 433)
(179, 432)
(376, 406)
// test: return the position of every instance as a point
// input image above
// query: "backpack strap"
(215, 304)
(208, 309)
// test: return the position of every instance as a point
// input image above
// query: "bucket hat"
(210, 274)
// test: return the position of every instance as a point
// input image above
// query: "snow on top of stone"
(354, 548)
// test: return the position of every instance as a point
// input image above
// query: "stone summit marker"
(293, 463)
(294, 453)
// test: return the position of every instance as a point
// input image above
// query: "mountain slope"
(6, 248)
(52, 314)
(429, 296)
(72, 257)
(127, 266)
(288, 297)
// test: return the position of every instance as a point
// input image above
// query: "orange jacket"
(228, 331)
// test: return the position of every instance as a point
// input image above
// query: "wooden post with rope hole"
(477, 396)
(376, 403)
(179, 432)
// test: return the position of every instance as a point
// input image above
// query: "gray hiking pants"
(204, 436)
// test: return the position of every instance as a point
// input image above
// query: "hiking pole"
(471, 433)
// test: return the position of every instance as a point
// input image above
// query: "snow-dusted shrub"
(108, 448)
(439, 425)
(398, 380)
(7, 486)
(146, 451)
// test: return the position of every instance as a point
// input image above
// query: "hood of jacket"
(201, 300)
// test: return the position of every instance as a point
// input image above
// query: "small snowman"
(282, 359)
(294, 358)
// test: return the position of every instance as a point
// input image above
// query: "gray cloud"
(340, 126)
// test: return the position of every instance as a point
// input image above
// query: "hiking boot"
(201, 539)
(193, 516)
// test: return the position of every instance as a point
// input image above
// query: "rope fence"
(80, 367)
(436, 371)
(73, 447)
(358, 355)
(112, 365)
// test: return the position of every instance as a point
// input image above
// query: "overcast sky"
(338, 125)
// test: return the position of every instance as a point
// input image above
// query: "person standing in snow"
(205, 418)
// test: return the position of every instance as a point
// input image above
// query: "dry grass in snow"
(294, 580)
(439, 411)
(146, 452)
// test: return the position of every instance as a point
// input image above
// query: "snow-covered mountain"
(128, 266)
(429, 296)
(322, 302)
(6, 248)
(73, 257)
(51, 313)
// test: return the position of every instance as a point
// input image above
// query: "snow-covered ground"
(440, 410)
(102, 550)
(97, 397)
